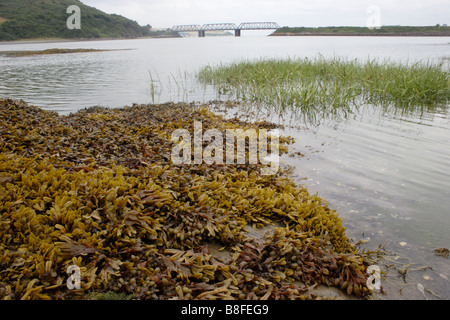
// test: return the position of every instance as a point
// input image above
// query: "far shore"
(55, 40)
(31, 41)
(53, 51)
(331, 34)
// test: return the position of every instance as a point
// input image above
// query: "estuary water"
(386, 172)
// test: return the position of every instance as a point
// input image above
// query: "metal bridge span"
(226, 26)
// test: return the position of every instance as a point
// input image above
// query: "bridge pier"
(201, 33)
(237, 32)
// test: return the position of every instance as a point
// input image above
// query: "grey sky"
(166, 13)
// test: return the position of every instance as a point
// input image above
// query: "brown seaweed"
(97, 189)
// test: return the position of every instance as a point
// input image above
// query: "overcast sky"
(294, 13)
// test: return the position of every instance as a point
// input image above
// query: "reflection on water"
(385, 170)
(392, 175)
(399, 169)
(67, 83)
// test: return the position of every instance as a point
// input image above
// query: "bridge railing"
(188, 27)
(219, 26)
(258, 26)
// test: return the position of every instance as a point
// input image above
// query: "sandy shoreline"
(32, 41)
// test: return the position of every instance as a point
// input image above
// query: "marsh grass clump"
(96, 189)
(314, 86)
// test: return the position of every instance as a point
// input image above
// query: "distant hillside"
(40, 19)
(436, 30)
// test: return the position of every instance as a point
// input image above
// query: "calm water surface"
(386, 173)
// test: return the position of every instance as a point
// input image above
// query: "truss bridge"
(226, 27)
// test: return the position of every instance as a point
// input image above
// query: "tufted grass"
(330, 85)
